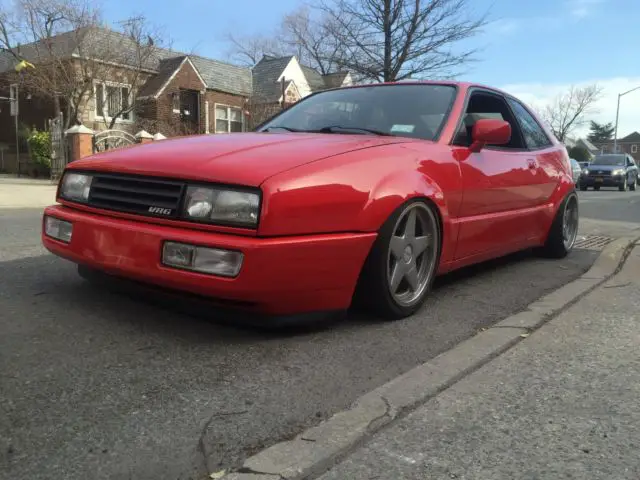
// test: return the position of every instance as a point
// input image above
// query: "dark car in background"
(610, 170)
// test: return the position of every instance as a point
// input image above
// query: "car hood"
(604, 168)
(240, 158)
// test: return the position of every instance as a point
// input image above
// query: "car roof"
(454, 83)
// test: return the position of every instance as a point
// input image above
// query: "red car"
(360, 194)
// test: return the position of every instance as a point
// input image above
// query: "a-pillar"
(80, 140)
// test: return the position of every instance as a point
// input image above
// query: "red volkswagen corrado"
(361, 193)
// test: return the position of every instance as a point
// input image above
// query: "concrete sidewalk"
(26, 192)
(564, 403)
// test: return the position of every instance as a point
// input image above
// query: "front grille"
(141, 195)
(600, 173)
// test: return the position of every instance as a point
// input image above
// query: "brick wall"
(220, 98)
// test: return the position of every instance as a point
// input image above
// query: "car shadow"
(243, 325)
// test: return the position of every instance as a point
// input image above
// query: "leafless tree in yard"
(247, 50)
(390, 40)
(43, 30)
(569, 110)
(313, 40)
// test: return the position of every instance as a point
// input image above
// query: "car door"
(551, 160)
(502, 185)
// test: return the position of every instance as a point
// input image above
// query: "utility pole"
(615, 134)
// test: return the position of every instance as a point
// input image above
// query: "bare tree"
(312, 40)
(390, 40)
(249, 49)
(568, 110)
(42, 31)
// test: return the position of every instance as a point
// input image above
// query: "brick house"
(189, 93)
(629, 144)
(281, 81)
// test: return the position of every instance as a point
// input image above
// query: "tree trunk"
(387, 70)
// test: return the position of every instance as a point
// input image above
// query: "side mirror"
(489, 131)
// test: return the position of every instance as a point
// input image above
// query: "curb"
(317, 449)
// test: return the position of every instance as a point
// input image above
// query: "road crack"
(201, 445)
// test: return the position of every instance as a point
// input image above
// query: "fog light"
(214, 261)
(58, 229)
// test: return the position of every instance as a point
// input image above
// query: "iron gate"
(110, 139)
(59, 157)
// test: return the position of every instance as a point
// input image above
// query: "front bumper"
(602, 181)
(279, 276)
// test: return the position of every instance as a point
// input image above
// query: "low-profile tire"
(564, 229)
(402, 264)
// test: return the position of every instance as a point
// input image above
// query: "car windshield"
(609, 160)
(411, 110)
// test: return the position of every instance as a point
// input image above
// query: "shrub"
(40, 147)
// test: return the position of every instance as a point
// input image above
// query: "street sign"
(13, 94)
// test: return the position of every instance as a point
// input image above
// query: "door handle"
(531, 163)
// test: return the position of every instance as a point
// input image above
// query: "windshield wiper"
(334, 128)
(288, 129)
(331, 129)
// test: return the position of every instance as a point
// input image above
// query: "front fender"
(399, 187)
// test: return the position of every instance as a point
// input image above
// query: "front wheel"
(632, 187)
(564, 229)
(400, 269)
(623, 187)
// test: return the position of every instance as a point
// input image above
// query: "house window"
(111, 100)
(228, 119)
(634, 148)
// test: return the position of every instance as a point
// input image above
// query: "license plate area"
(599, 179)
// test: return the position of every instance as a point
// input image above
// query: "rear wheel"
(583, 188)
(402, 264)
(564, 229)
(596, 187)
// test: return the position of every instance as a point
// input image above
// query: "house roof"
(631, 138)
(589, 146)
(267, 71)
(166, 69)
(103, 43)
(265, 77)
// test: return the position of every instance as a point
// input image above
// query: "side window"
(488, 105)
(534, 135)
(630, 162)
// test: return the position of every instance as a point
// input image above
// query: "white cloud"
(582, 8)
(538, 95)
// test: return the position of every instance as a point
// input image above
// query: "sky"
(533, 49)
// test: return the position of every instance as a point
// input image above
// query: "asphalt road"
(98, 385)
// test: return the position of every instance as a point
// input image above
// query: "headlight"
(222, 206)
(76, 187)
(617, 172)
(585, 171)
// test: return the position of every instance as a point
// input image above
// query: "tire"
(624, 186)
(596, 187)
(632, 187)
(556, 245)
(375, 285)
(583, 188)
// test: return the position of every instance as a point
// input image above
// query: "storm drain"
(592, 242)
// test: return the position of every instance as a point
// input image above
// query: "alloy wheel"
(570, 221)
(412, 254)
